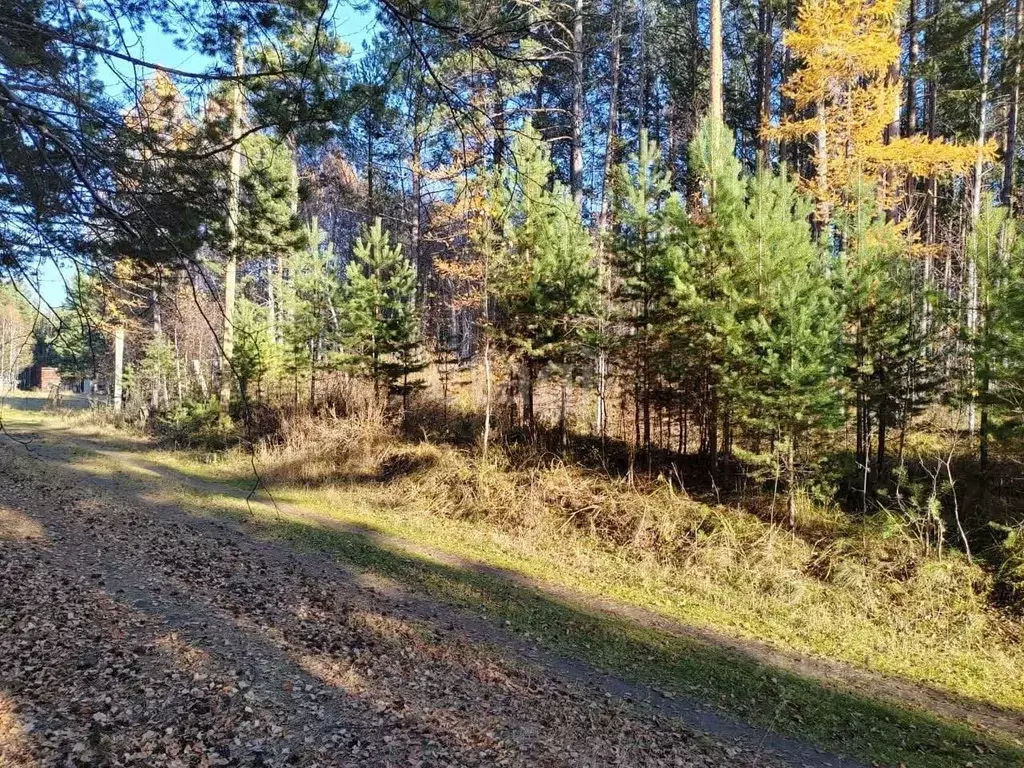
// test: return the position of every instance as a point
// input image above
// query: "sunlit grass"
(867, 630)
(724, 591)
(874, 730)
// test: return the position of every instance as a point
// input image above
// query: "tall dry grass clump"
(861, 566)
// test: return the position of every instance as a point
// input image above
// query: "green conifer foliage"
(309, 299)
(268, 226)
(890, 375)
(998, 344)
(379, 325)
(254, 355)
(791, 338)
(546, 282)
(647, 264)
(716, 295)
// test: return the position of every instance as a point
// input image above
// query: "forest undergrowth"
(871, 590)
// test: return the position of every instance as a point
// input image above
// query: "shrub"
(197, 424)
(1009, 575)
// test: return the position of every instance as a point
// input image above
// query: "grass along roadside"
(875, 730)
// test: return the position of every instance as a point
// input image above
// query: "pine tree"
(715, 301)
(254, 355)
(890, 374)
(997, 343)
(379, 326)
(646, 261)
(269, 231)
(545, 283)
(566, 292)
(308, 302)
(513, 267)
(793, 337)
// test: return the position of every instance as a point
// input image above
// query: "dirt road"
(133, 633)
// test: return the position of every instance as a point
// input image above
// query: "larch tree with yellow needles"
(844, 98)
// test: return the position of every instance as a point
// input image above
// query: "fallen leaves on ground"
(132, 634)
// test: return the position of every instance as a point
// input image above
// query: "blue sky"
(153, 45)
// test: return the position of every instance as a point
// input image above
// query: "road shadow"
(131, 629)
(707, 680)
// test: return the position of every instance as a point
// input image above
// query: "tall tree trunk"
(498, 124)
(613, 121)
(788, 150)
(1010, 153)
(528, 413)
(791, 471)
(979, 168)
(882, 445)
(118, 367)
(602, 221)
(644, 73)
(370, 210)
(712, 428)
(576, 128)
(231, 226)
(271, 271)
(766, 53)
(158, 332)
(415, 220)
(821, 170)
(986, 34)
(563, 417)
(913, 50)
(931, 198)
(717, 68)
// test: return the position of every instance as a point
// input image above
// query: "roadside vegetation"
(848, 631)
(704, 368)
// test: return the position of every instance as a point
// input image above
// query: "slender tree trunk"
(158, 332)
(883, 428)
(712, 429)
(312, 377)
(979, 168)
(983, 431)
(118, 367)
(602, 222)
(415, 234)
(1010, 153)
(271, 272)
(613, 121)
(528, 414)
(766, 53)
(642, 63)
(487, 392)
(231, 225)
(498, 123)
(717, 68)
(986, 34)
(647, 400)
(791, 469)
(179, 384)
(821, 170)
(563, 417)
(932, 194)
(787, 150)
(370, 210)
(576, 159)
(913, 51)
(197, 371)
(416, 222)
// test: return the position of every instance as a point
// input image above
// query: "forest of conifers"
(775, 245)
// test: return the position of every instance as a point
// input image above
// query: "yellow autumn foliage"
(848, 51)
